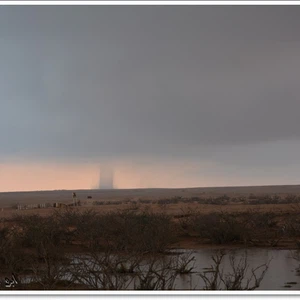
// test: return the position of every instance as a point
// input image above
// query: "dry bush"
(237, 278)
(156, 273)
(44, 238)
(100, 271)
(273, 199)
(264, 228)
(84, 227)
(98, 203)
(108, 271)
(51, 272)
(291, 227)
(219, 228)
(141, 232)
(119, 271)
(184, 263)
(133, 206)
(126, 230)
(12, 258)
(145, 201)
(260, 219)
(250, 227)
(292, 199)
(36, 231)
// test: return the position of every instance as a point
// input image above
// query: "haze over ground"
(169, 96)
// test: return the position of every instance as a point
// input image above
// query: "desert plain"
(51, 243)
(274, 202)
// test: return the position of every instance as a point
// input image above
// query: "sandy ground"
(128, 200)
(171, 209)
(107, 197)
(9, 198)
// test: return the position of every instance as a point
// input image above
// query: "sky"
(167, 96)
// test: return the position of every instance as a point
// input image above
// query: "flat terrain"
(187, 218)
(261, 216)
(9, 198)
(112, 200)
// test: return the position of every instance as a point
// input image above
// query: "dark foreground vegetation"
(82, 249)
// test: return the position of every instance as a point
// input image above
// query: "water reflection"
(281, 274)
(282, 268)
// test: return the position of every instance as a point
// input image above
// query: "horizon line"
(151, 188)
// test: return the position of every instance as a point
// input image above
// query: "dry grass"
(232, 205)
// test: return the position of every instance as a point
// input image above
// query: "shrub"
(237, 278)
(219, 228)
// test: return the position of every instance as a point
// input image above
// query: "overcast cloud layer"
(218, 84)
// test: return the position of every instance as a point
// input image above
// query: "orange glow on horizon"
(47, 176)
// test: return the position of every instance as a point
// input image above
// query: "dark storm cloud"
(81, 82)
